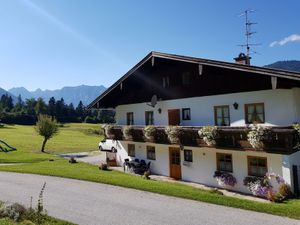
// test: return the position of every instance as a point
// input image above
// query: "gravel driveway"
(98, 204)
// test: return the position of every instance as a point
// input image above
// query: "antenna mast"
(248, 32)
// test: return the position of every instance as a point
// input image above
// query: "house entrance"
(296, 179)
(175, 167)
(174, 117)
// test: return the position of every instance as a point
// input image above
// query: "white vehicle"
(108, 145)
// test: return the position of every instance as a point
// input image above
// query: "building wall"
(282, 107)
(296, 96)
(287, 167)
(204, 164)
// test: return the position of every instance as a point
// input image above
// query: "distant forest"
(25, 112)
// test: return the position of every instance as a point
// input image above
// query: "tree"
(47, 127)
(40, 107)
(52, 107)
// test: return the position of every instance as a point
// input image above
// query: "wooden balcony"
(282, 140)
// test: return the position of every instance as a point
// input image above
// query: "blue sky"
(49, 44)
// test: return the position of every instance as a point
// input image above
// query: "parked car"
(108, 145)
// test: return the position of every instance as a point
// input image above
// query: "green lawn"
(77, 138)
(71, 138)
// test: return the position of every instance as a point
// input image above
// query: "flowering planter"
(150, 139)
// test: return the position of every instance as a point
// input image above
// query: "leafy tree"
(47, 127)
(40, 107)
(30, 106)
(52, 106)
(19, 105)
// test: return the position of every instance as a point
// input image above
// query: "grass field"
(71, 138)
(79, 137)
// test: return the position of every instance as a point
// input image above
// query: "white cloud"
(291, 38)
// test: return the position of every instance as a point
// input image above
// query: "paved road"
(98, 204)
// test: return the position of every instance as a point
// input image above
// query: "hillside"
(73, 95)
(292, 65)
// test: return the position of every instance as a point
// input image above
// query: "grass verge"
(82, 171)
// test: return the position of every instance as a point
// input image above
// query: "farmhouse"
(185, 94)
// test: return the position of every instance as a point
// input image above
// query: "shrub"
(103, 166)
(146, 175)
(127, 131)
(285, 190)
(225, 179)
(209, 134)
(173, 133)
(149, 131)
(13, 211)
(72, 160)
(257, 135)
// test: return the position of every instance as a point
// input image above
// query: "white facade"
(282, 107)
(204, 164)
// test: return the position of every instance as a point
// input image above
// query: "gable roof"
(291, 75)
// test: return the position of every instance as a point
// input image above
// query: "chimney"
(243, 59)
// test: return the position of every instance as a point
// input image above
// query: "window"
(186, 114)
(257, 166)
(222, 116)
(255, 113)
(151, 152)
(130, 118)
(188, 155)
(149, 120)
(224, 162)
(186, 79)
(166, 81)
(131, 150)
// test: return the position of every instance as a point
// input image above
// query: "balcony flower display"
(209, 134)
(149, 132)
(257, 135)
(109, 131)
(225, 179)
(128, 132)
(173, 133)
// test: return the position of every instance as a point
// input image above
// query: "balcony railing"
(281, 140)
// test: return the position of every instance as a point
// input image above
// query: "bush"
(146, 175)
(103, 166)
(13, 211)
(209, 134)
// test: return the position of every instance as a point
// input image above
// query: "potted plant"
(225, 179)
(173, 133)
(257, 135)
(149, 133)
(128, 132)
(209, 135)
(259, 186)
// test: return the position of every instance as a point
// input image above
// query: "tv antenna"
(249, 32)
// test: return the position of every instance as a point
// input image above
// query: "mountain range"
(73, 95)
